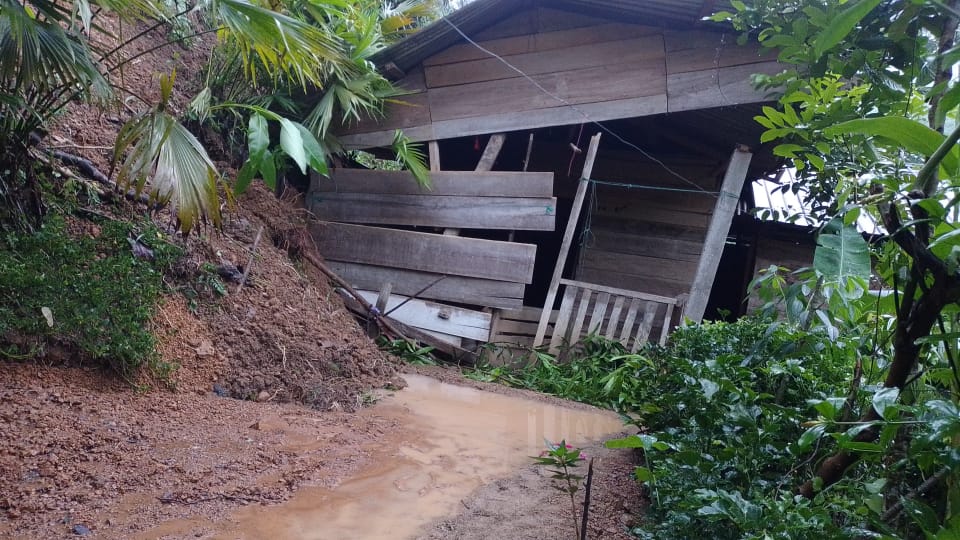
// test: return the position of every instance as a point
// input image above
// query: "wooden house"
(621, 239)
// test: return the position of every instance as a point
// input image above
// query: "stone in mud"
(81, 530)
(263, 396)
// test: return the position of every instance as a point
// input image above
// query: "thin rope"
(574, 107)
(663, 188)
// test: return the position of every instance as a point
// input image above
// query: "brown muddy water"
(455, 439)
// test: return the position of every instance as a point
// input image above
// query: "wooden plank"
(567, 240)
(511, 213)
(636, 265)
(643, 331)
(434, 150)
(577, 327)
(436, 317)
(425, 338)
(452, 183)
(563, 321)
(465, 290)
(658, 247)
(452, 255)
(614, 317)
(657, 285)
(541, 41)
(665, 329)
(599, 310)
(629, 320)
(714, 56)
(733, 182)
(490, 152)
(716, 87)
(576, 56)
(456, 341)
(526, 313)
(591, 85)
(620, 292)
(560, 115)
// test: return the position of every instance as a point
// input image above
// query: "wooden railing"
(619, 314)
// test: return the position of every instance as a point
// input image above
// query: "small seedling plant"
(562, 458)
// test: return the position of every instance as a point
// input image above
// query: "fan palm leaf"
(157, 146)
(280, 44)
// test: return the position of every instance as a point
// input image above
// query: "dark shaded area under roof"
(474, 17)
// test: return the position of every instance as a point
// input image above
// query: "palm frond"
(412, 158)
(157, 146)
(42, 56)
(280, 44)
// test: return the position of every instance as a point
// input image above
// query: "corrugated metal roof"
(483, 13)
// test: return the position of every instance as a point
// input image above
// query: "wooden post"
(434, 149)
(567, 240)
(489, 156)
(717, 234)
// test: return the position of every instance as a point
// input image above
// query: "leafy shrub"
(726, 434)
(98, 295)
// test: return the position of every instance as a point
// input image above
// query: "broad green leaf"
(810, 436)
(709, 388)
(268, 170)
(644, 474)
(909, 134)
(316, 157)
(258, 137)
(245, 176)
(884, 400)
(842, 24)
(292, 144)
(842, 255)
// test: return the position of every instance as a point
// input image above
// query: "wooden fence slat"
(620, 292)
(628, 321)
(449, 183)
(643, 332)
(599, 310)
(563, 319)
(451, 255)
(614, 317)
(585, 296)
(665, 330)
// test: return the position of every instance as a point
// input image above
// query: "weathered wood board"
(452, 183)
(435, 317)
(453, 255)
(464, 290)
(511, 213)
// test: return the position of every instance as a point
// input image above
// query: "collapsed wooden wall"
(608, 70)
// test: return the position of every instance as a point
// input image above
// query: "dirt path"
(199, 466)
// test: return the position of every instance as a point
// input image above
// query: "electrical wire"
(574, 108)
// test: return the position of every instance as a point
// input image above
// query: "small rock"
(81, 530)
(220, 391)
(206, 349)
(255, 425)
(263, 396)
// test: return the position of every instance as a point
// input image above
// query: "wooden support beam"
(434, 149)
(567, 239)
(717, 232)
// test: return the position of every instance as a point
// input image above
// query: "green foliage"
(562, 458)
(408, 352)
(86, 295)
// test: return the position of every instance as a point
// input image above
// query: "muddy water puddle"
(454, 440)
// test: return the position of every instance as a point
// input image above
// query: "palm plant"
(49, 58)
